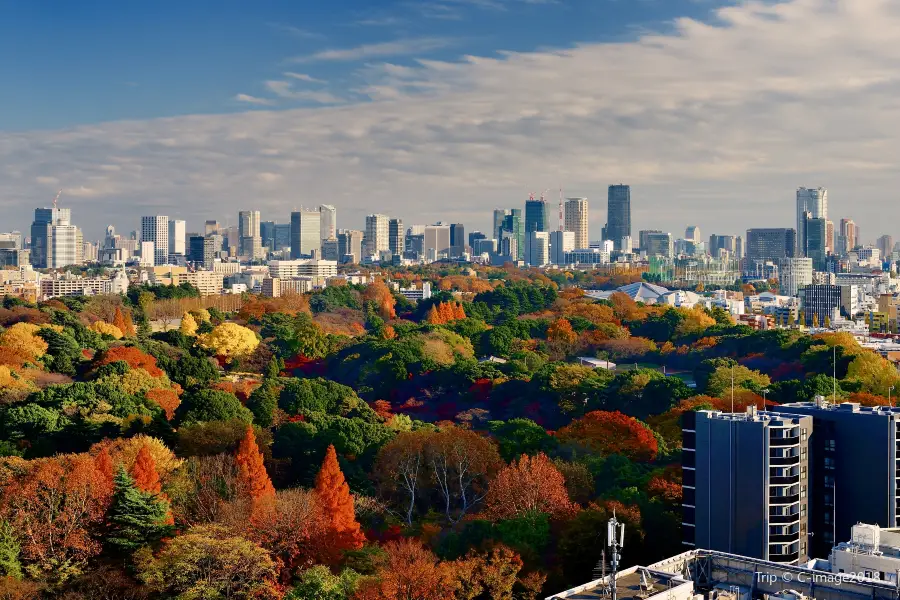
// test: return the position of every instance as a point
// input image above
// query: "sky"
(714, 111)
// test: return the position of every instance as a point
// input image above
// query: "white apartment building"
(377, 238)
(288, 269)
(576, 220)
(156, 229)
(794, 274)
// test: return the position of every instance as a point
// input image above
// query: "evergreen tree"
(263, 402)
(136, 518)
(9, 552)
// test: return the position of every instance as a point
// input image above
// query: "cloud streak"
(715, 123)
(401, 47)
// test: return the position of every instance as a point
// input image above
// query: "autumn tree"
(876, 374)
(123, 322)
(408, 571)
(401, 468)
(293, 531)
(611, 433)
(23, 338)
(530, 484)
(146, 478)
(133, 356)
(253, 479)
(167, 399)
(137, 517)
(561, 331)
(380, 295)
(720, 381)
(342, 528)
(461, 464)
(231, 340)
(188, 325)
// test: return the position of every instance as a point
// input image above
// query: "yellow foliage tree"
(104, 328)
(695, 321)
(876, 374)
(22, 337)
(188, 325)
(11, 380)
(124, 451)
(231, 340)
(201, 315)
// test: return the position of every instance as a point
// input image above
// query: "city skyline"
(690, 135)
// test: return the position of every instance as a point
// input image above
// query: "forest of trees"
(346, 444)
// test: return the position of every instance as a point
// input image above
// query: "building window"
(829, 462)
(803, 434)
(829, 445)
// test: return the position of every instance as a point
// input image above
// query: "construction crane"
(544, 192)
(55, 200)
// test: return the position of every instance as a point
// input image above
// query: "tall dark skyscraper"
(770, 244)
(537, 216)
(457, 239)
(618, 219)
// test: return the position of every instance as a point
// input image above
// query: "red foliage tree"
(343, 530)
(124, 323)
(561, 331)
(253, 479)
(408, 571)
(668, 491)
(529, 484)
(167, 400)
(144, 472)
(612, 433)
(131, 355)
(384, 300)
(104, 465)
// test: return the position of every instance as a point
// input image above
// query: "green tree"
(516, 437)
(720, 382)
(318, 583)
(212, 405)
(295, 335)
(136, 518)
(262, 403)
(9, 552)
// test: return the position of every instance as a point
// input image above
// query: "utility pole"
(615, 539)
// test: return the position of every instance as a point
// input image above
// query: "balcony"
(784, 461)
(784, 519)
(787, 538)
(784, 558)
(784, 441)
(781, 500)
(788, 480)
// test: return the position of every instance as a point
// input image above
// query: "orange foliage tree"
(342, 528)
(253, 479)
(57, 506)
(380, 294)
(530, 484)
(167, 400)
(561, 331)
(612, 433)
(124, 323)
(409, 571)
(131, 355)
(144, 472)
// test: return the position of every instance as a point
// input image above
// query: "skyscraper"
(306, 233)
(816, 240)
(561, 242)
(692, 233)
(771, 244)
(156, 229)
(177, 245)
(658, 244)
(829, 237)
(396, 236)
(437, 241)
(350, 243)
(378, 237)
(847, 236)
(576, 220)
(328, 221)
(249, 234)
(267, 234)
(538, 248)
(457, 239)
(794, 274)
(537, 215)
(513, 229)
(815, 202)
(618, 215)
(211, 227)
(53, 238)
(499, 216)
(643, 236)
(886, 244)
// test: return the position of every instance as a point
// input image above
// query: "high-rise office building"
(457, 240)
(396, 236)
(211, 227)
(331, 249)
(658, 244)
(815, 202)
(328, 221)
(794, 274)
(437, 241)
(846, 237)
(250, 234)
(770, 244)
(538, 248)
(513, 229)
(853, 468)
(306, 233)
(825, 301)
(499, 215)
(53, 238)
(177, 245)
(282, 236)
(378, 238)
(722, 242)
(267, 234)
(537, 215)
(482, 245)
(561, 243)
(816, 241)
(474, 236)
(692, 233)
(745, 483)
(350, 242)
(829, 237)
(643, 235)
(886, 244)
(156, 229)
(576, 220)
(618, 219)
(202, 250)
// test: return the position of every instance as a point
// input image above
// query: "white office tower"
(436, 243)
(378, 234)
(147, 254)
(607, 246)
(177, 245)
(576, 220)
(306, 233)
(814, 202)
(156, 229)
(628, 245)
(692, 234)
(561, 242)
(794, 274)
(53, 239)
(328, 221)
(249, 236)
(538, 248)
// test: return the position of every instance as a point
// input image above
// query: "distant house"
(596, 363)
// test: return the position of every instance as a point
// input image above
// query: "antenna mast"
(561, 228)
(615, 539)
(55, 200)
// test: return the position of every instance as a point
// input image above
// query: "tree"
(520, 436)
(23, 338)
(231, 340)
(136, 517)
(253, 479)
(209, 562)
(561, 331)
(342, 528)
(108, 329)
(166, 399)
(612, 433)
(213, 405)
(461, 463)
(9, 552)
(146, 478)
(530, 484)
(876, 374)
(188, 325)
(401, 468)
(408, 571)
(123, 322)
(380, 295)
(293, 530)
(130, 355)
(317, 583)
(262, 403)
(720, 382)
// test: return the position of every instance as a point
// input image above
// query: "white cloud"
(303, 77)
(713, 124)
(253, 100)
(368, 51)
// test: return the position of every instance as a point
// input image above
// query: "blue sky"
(433, 110)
